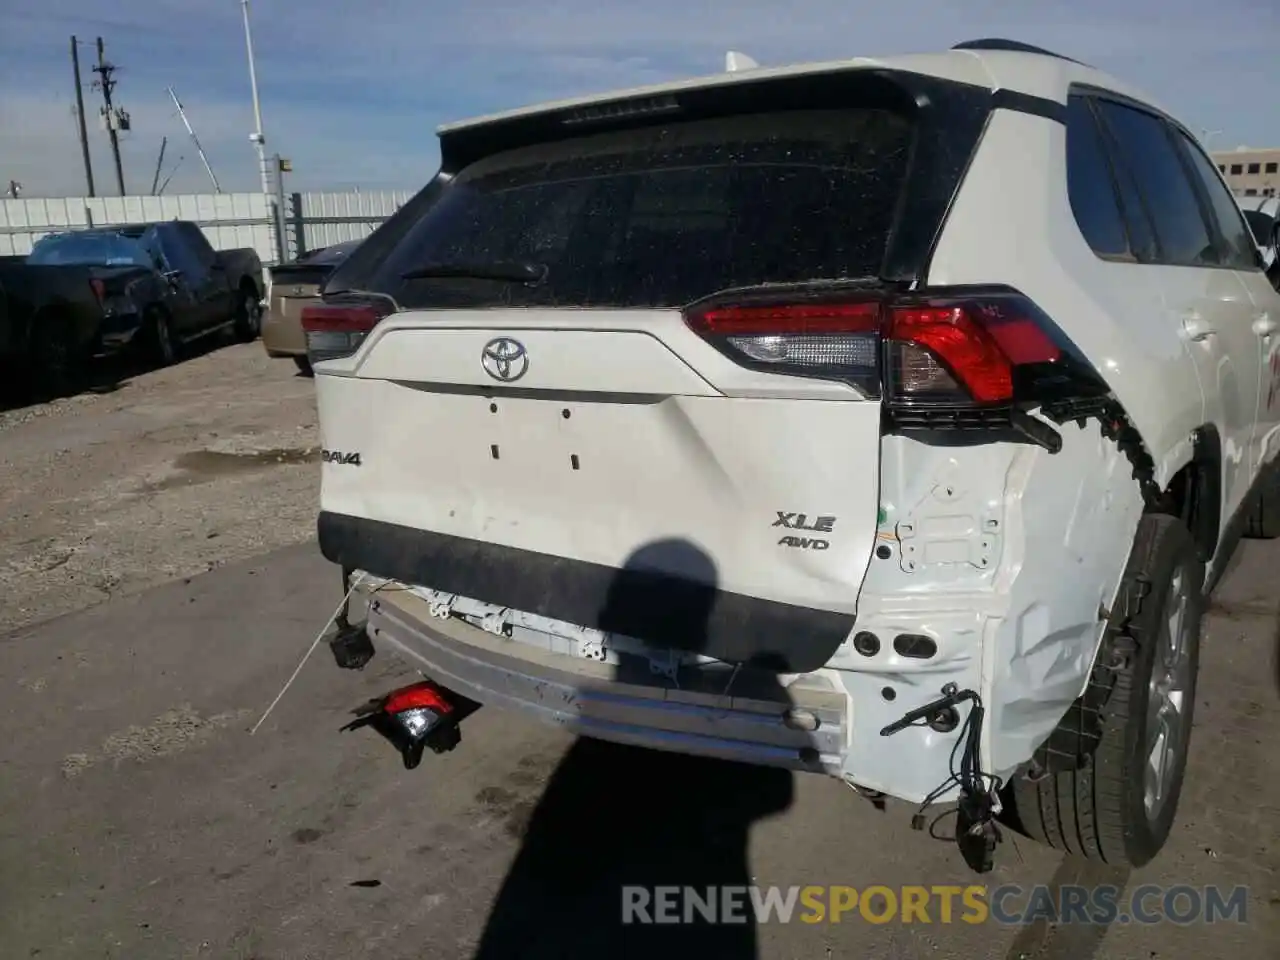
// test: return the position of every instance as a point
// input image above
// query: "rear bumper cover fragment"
(660, 610)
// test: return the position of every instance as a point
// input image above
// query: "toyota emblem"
(504, 359)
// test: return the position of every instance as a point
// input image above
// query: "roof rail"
(1010, 46)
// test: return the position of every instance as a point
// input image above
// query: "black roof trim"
(1011, 46)
(1006, 99)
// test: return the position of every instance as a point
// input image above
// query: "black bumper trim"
(659, 609)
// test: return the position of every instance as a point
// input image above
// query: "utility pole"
(84, 133)
(104, 71)
(260, 141)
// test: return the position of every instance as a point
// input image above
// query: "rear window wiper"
(511, 271)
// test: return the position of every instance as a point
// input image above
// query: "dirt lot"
(139, 818)
(160, 475)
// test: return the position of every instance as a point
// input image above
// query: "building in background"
(1250, 172)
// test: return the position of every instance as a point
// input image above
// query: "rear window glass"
(666, 215)
(89, 249)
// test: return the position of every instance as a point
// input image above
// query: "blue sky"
(352, 91)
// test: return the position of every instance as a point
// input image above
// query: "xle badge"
(800, 521)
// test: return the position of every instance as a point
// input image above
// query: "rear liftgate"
(973, 360)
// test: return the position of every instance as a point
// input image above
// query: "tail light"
(418, 707)
(99, 289)
(335, 330)
(932, 358)
(426, 717)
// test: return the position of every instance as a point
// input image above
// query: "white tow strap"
(355, 582)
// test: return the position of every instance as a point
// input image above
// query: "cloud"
(352, 93)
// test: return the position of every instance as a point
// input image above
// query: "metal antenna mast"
(260, 142)
(196, 140)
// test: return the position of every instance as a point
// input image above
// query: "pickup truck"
(47, 315)
(90, 293)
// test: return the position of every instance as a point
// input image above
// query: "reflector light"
(917, 372)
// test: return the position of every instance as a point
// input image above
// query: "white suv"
(882, 418)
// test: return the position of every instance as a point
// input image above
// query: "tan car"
(290, 287)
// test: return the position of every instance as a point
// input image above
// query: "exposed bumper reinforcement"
(802, 727)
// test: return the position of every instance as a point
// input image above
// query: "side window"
(1133, 206)
(1239, 250)
(150, 242)
(180, 256)
(1149, 154)
(198, 243)
(1089, 185)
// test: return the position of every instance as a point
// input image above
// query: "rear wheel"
(304, 366)
(248, 320)
(1263, 521)
(54, 368)
(1118, 806)
(161, 349)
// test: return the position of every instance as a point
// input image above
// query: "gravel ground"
(153, 477)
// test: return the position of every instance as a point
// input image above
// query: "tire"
(248, 319)
(1263, 519)
(304, 366)
(1100, 810)
(54, 371)
(161, 348)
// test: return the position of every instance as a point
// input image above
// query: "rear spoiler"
(745, 88)
(293, 271)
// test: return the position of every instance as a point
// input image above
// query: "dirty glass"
(88, 249)
(666, 215)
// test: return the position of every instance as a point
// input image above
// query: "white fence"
(228, 219)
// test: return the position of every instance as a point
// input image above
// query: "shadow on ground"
(615, 817)
(102, 375)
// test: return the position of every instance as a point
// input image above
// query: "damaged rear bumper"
(742, 715)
